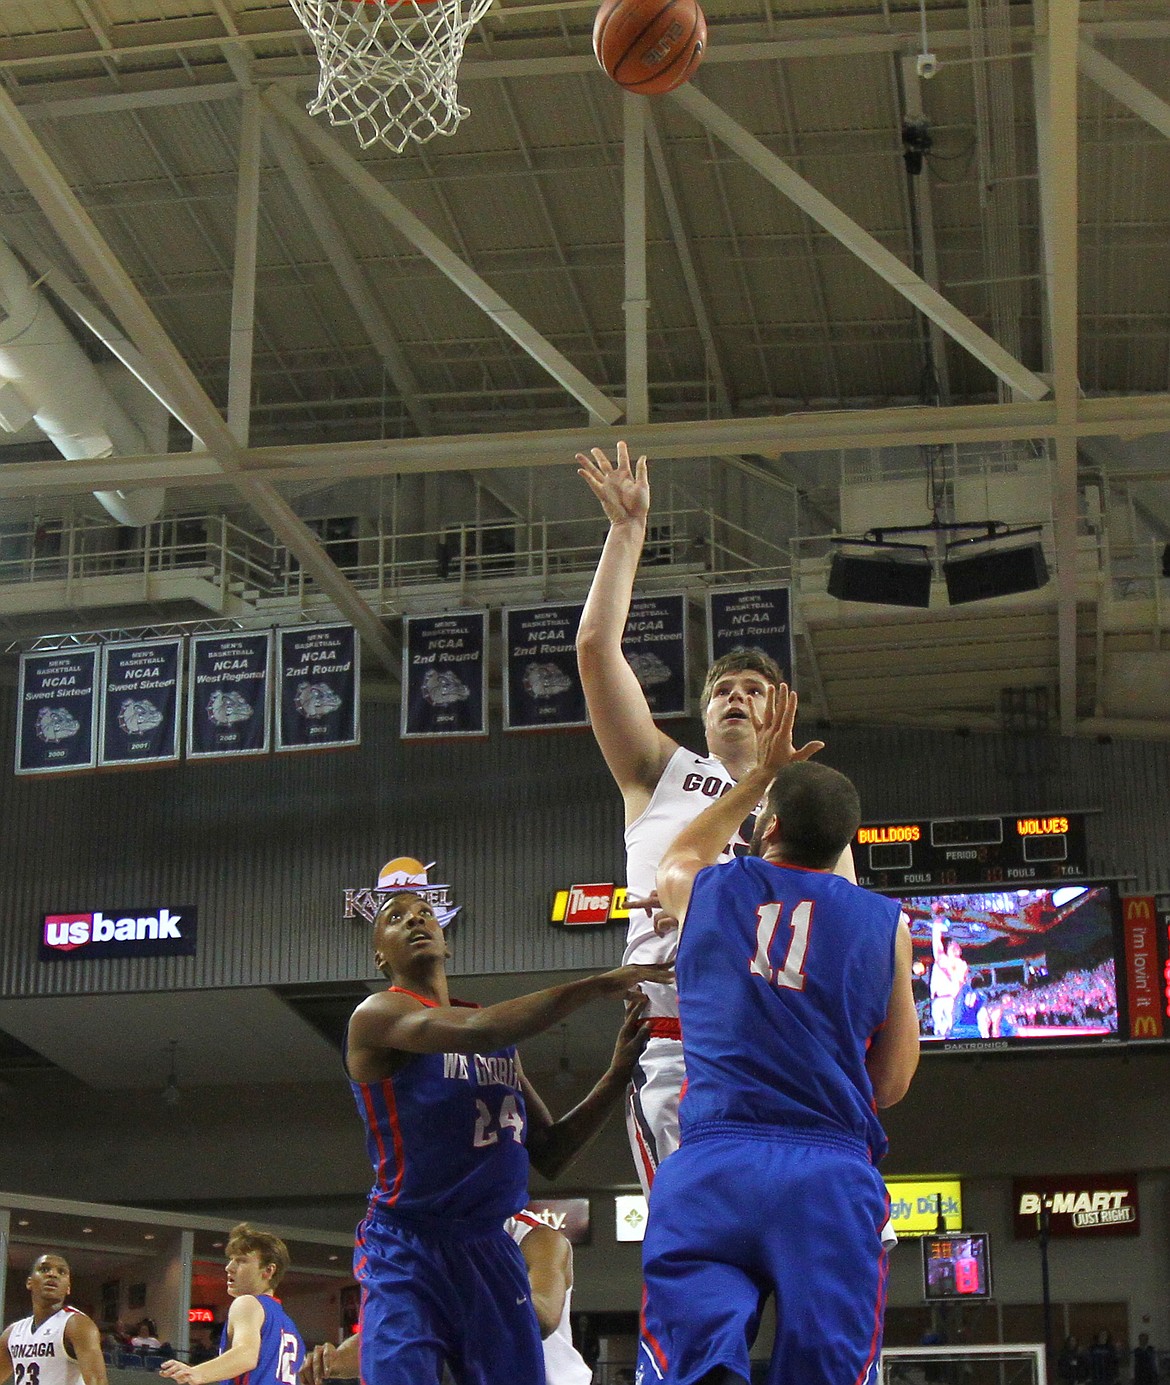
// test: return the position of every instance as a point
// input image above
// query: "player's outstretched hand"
(632, 1036)
(624, 492)
(774, 746)
(178, 1370)
(318, 1359)
(623, 980)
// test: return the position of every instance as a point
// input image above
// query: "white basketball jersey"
(563, 1363)
(38, 1353)
(689, 783)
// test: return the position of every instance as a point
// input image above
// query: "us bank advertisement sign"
(57, 711)
(147, 931)
(1102, 1204)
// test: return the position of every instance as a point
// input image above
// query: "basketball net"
(389, 68)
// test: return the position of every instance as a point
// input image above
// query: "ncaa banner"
(141, 683)
(542, 686)
(655, 643)
(444, 675)
(57, 711)
(229, 712)
(1140, 922)
(751, 618)
(317, 686)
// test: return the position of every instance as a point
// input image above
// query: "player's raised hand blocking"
(774, 744)
(624, 492)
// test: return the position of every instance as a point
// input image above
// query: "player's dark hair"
(56, 1255)
(818, 810)
(748, 660)
(244, 1239)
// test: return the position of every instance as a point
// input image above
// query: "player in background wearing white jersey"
(663, 785)
(57, 1344)
(549, 1258)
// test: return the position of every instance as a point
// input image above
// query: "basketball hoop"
(390, 68)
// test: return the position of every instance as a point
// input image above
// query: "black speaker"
(995, 572)
(884, 578)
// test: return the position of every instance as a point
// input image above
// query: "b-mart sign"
(1079, 1205)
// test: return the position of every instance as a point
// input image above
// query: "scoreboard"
(927, 853)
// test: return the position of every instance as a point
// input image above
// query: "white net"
(389, 68)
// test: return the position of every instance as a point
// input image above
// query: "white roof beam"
(240, 345)
(1055, 65)
(444, 259)
(636, 303)
(767, 436)
(843, 228)
(31, 163)
(682, 246)
(354, 283)
(1124, 88)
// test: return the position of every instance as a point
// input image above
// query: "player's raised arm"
(554, 1144)
(635, 750)
(892, 1058)
(399, 1021)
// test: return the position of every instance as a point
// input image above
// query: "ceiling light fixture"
(977, 562)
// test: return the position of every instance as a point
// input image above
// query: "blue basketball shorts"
(430, 1299)
(736, 1217)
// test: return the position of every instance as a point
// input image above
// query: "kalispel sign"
(1079, 1205)
(146, 931)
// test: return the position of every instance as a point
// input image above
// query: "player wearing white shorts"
(549, 1258)
(948, 976)
(57, 1344)
(663, 785)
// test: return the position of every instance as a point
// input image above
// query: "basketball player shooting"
(948, 976)
(798, 1022)
(663, 785)
(57, 1344)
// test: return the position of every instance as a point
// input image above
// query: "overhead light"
(149, 1236)
(23, 1222)
(87, 1230)
(334, 1257)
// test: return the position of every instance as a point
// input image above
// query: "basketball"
(649, 46)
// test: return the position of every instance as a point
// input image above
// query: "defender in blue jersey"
(260, 1343)
(798, 1020)
(451, 1123)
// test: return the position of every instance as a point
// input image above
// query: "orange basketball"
(650, 46)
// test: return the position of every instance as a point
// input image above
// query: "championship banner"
(229, 712)
(751, 618)
(140, 698)
(317, 684)
(655, 643)
(1145, 988)
(444, 675)
(1079, 1205)
(541, 684)
(57, 711)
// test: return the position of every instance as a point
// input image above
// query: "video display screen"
(956, 1267)
(1001, 968)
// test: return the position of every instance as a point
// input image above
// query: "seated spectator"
(146, 1337)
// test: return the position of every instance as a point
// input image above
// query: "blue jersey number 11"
(790, 974)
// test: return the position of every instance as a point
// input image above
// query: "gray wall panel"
(265, 848)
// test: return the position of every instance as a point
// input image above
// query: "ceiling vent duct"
(46, 377)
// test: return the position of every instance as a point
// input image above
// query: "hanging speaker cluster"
(891, 572)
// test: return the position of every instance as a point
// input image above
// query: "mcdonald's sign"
(1146, 987)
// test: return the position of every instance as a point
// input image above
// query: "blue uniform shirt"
(281, 1348)
(784, 975)
(446, 1136)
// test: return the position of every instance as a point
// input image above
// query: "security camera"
(927, 66)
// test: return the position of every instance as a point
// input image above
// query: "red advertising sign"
(589, 903)
(1094, 1204)
(1140, 921)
